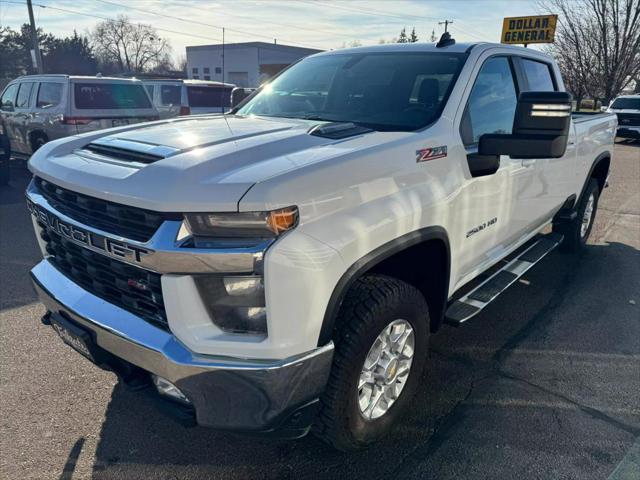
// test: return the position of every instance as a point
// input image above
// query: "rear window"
(110, 96)
(209, 97)
(49, 94)
(170, 95)
(538, 75)
(626, 103)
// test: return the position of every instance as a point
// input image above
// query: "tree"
(413, 38)
(403, 36)
(131, 48)
(71, 55)
(597, 45)
(15, 50)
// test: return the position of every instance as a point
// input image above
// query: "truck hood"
(194, 164)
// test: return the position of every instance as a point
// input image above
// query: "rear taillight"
(185, 111)
(76, 120)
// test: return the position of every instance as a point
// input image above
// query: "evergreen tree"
(403, 36)
(413, 38)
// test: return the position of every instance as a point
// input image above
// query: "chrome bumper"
(235, 394)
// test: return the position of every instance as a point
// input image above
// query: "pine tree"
(413, 38)
(403, 36)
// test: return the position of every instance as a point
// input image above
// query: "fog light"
(168, 389)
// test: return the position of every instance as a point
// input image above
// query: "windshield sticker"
(433, 153)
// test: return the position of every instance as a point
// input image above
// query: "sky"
(321, 24)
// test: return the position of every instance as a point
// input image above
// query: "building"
(245, 64)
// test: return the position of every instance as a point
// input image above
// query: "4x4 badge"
(432, 153)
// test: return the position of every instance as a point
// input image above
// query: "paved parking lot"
(543, 384)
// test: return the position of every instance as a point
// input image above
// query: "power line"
(199, 23)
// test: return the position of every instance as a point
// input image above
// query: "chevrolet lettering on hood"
(94, 241)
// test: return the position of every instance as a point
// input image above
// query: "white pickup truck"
(279, 269)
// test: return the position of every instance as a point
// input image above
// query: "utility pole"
(222, 54)
(446, 23)
(34, 39)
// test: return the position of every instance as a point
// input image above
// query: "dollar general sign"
(539, 29)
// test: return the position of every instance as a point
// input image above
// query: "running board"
(473, 302)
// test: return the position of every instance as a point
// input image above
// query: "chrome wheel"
(386, 369)
(588, 214)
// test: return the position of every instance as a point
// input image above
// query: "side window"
(491, 106)
(8, 100)
(170, 95)
(24, 94)
(49, 95)
(149, 89)
(538, 75)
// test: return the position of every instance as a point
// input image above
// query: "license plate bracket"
(75, 336)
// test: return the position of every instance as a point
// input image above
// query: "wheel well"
(37, 134)
(600, 172)
(426, 267)
(420, 258)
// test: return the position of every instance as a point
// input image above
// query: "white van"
(189, 97)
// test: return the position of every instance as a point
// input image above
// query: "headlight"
(235, 304)
(241, 224)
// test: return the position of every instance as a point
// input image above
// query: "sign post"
(526, 30)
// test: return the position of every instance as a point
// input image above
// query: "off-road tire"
(370, 305)
(574, 240)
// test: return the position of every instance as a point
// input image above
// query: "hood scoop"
(338, 130)
(128, 150)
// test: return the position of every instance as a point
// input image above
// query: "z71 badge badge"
(432, 153)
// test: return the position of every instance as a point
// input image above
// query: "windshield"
(383, 91)
(626, 103)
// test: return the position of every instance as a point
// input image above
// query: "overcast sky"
(323, 24)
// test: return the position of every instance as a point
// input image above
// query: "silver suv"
(37, 108)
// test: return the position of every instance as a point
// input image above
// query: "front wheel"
(381, 345)
(576, 233)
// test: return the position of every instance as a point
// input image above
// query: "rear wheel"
(381, 347)
(5, 156)
(576, 233)
(38, 140)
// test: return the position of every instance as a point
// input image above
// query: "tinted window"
(626, 103)
(209, 97)
(24, 94)
(492, 104)
(170, 94)
(49, 94)
(150, 89)
(538, 75)
(399, 91)
(8, 100)
(110, 96)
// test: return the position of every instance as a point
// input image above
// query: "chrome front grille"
(122, 220)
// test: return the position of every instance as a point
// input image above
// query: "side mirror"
(238, 95)
(540, 128)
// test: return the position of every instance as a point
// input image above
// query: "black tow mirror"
(540, 128)
(239, 94)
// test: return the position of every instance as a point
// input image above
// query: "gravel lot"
(544, 384)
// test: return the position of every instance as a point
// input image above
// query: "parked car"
(627, 108)
(189, 97)
(281, 268)
(37, 108)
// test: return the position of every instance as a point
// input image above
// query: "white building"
(245, 64)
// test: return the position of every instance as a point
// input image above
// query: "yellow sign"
(539, 29)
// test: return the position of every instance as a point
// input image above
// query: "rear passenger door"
(49, 108)
(22, 116)
(8, 109)
(552, 179)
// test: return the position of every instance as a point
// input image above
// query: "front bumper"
(225, 393)
(628, 132)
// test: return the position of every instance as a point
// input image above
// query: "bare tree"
(597, 44)
(132, 48)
